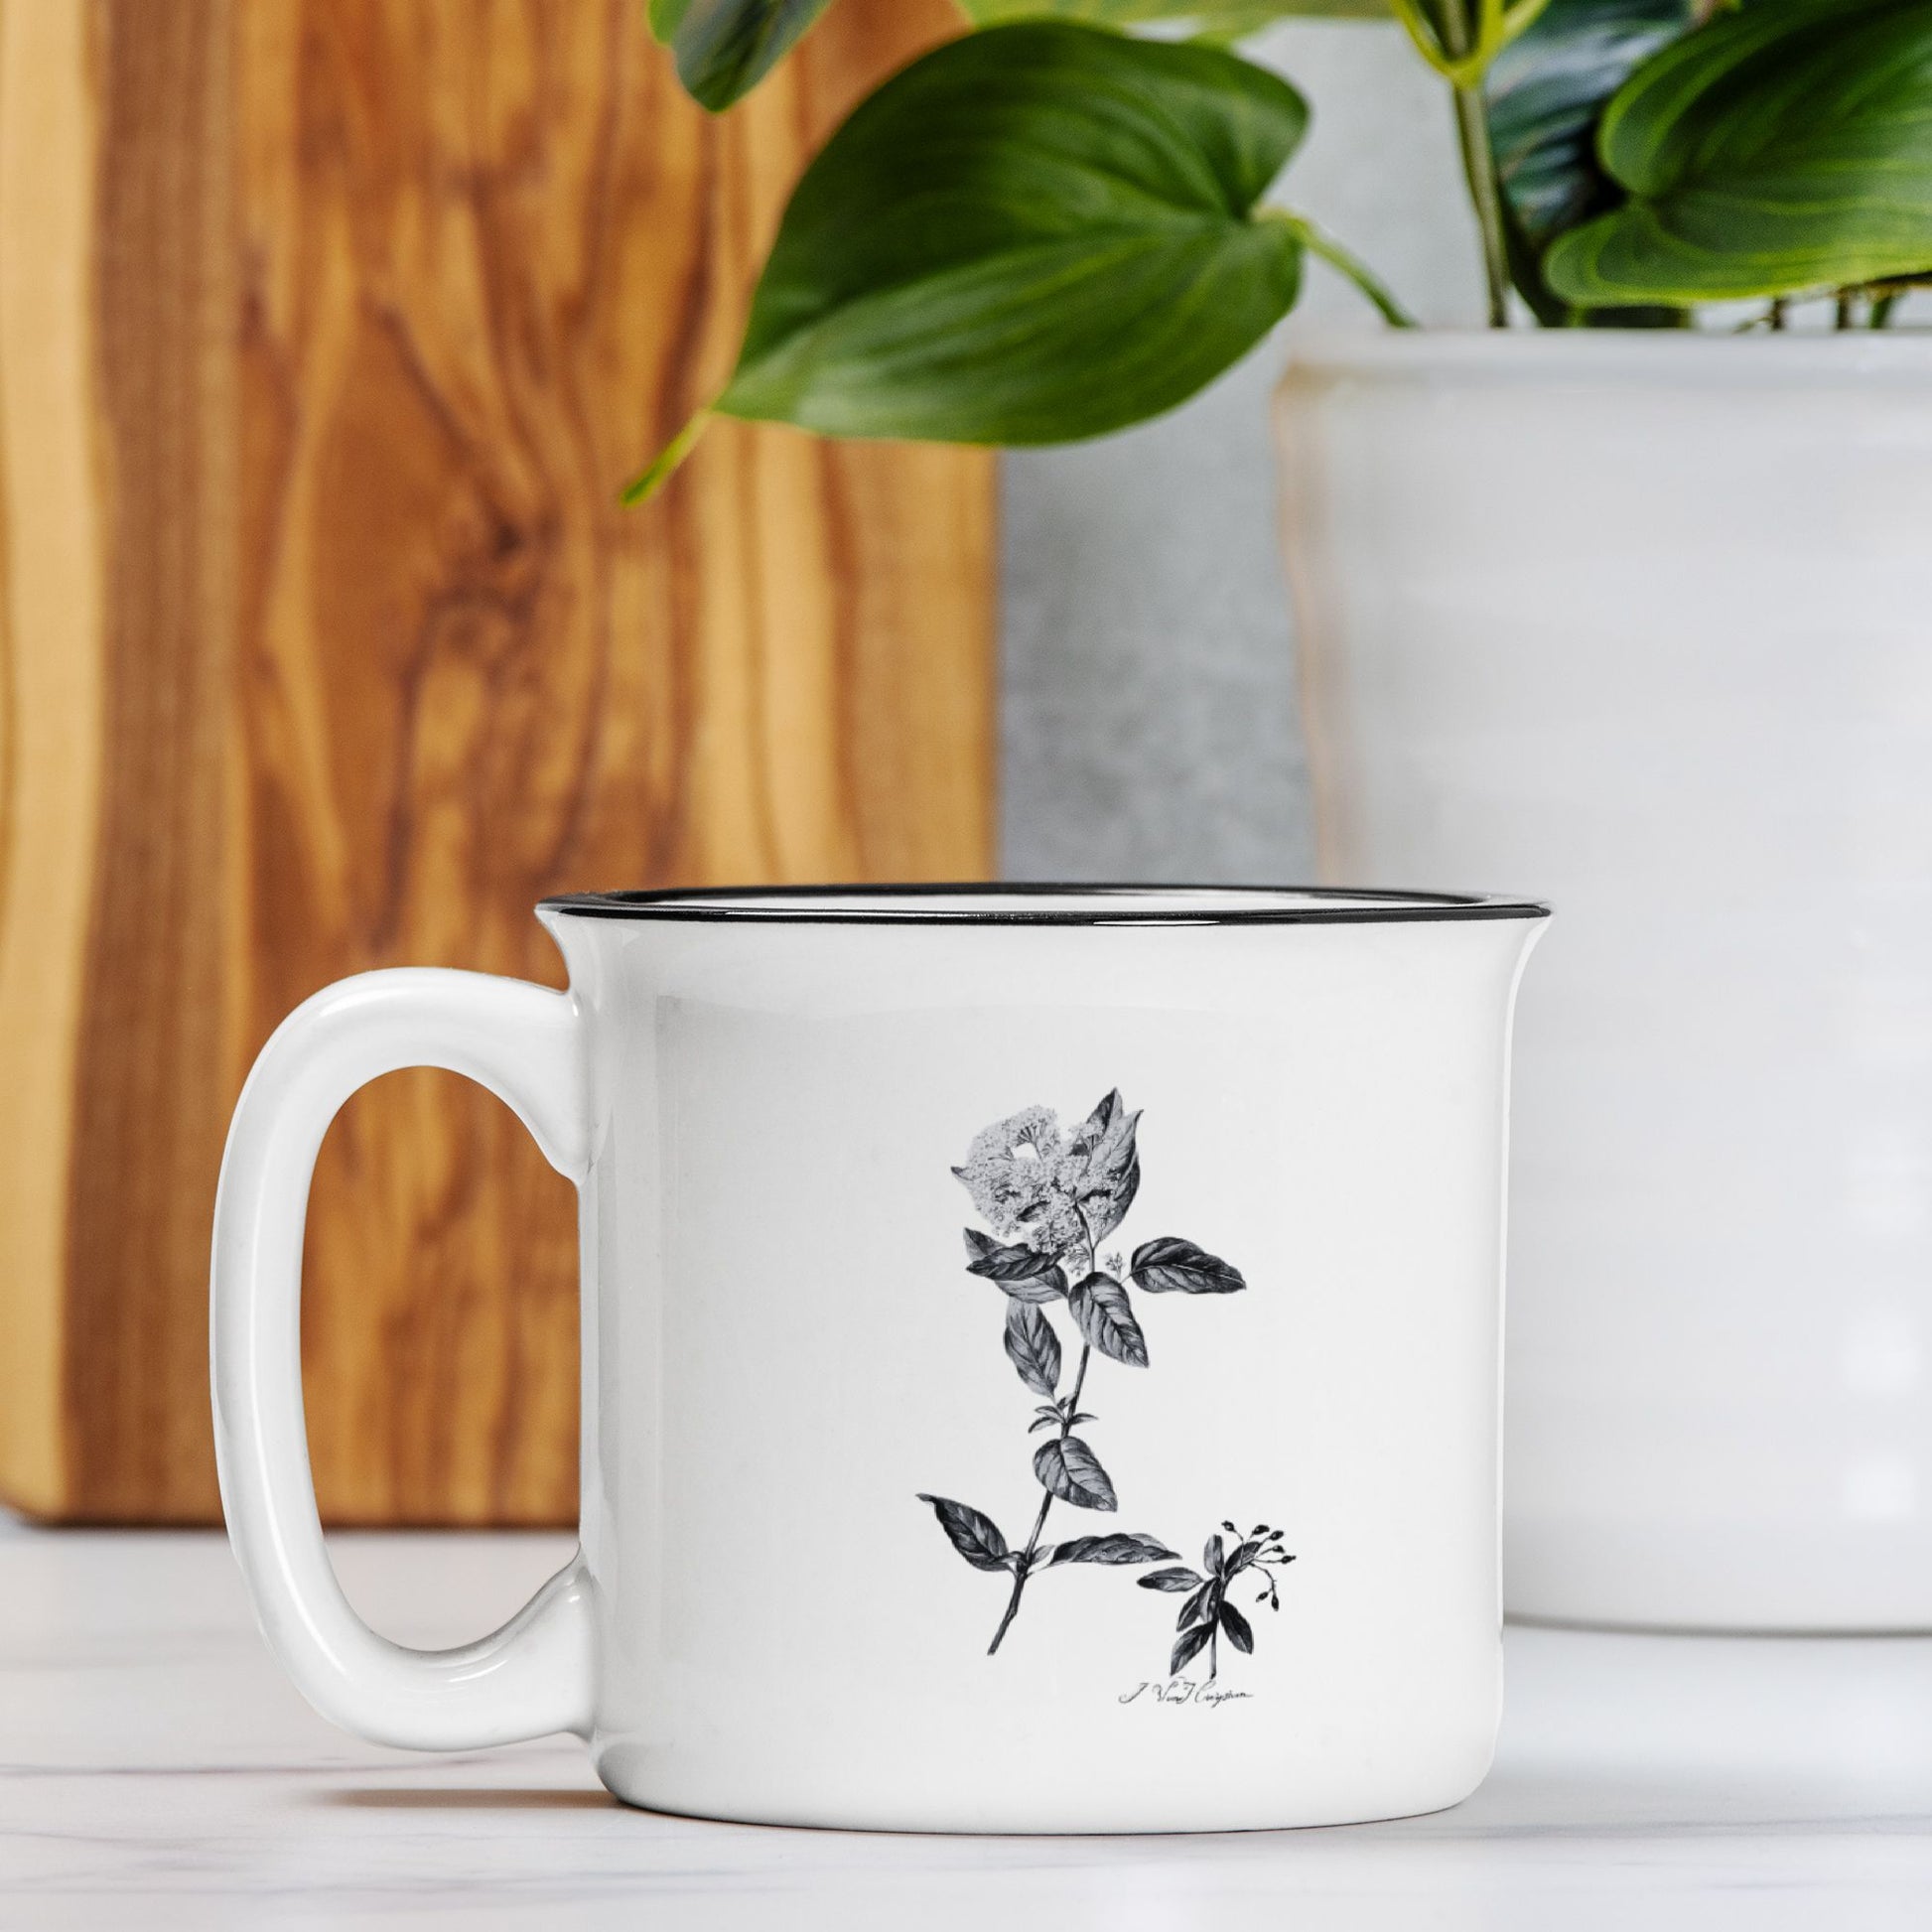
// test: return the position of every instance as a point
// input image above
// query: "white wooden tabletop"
(156, 1771)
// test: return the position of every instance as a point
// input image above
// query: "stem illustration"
(1024, 1568)
(1050, 1199)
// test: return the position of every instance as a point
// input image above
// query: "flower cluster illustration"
(1050, 1199)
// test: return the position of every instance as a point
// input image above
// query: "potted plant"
(1628, 607)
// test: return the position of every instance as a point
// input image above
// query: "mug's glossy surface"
(1165, 1501)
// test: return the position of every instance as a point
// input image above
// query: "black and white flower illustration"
(1049, 1200)
(1207, 1615)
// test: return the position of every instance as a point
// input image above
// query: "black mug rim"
(1097, 905)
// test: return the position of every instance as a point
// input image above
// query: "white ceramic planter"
(1643, 625)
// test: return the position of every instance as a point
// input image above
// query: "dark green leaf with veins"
(1036, 233)
(1544, 93)
(1215, 20)
(724, 47)
(1785, 147)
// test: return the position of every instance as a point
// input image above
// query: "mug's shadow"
(464, 1797)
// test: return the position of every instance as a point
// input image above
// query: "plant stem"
(658, 469)
(1337, 257)
(1485, 194)
(1046, 1502)
(1846, 310)
(1215, 1651)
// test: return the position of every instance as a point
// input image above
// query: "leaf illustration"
(1242, 1557)
(1171, 1581)
(977, 1538)
(1045, 1419)
(1198, 1608)
(1033, 1348)
(1123, 1549)
(1193, 1643)
(1036, 1288)
(1106, 1208)
(1025, 1275)
(1236, 1625)
(1214, 1559)
(1170, 1265)
(1105, 1139)
(1106, 1318)
(1109, 1174)
(1072, 1472)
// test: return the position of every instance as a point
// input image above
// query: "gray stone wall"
(1149, 722)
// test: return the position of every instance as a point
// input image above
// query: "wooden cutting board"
(329, 330)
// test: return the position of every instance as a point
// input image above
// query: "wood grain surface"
(371, 305)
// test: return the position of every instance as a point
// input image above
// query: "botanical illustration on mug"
(1207, 1614)
(1050, 1199)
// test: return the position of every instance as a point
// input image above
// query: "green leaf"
(1034, 234)
(1216, 20)
(1782, 148)
(1545, 93)
(724, 47)
(664, 16)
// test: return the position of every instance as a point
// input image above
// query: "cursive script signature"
(1181, 1690)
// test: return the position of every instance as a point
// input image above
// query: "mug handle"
(521, 1041)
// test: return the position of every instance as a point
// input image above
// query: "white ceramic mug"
(1167, 1500)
